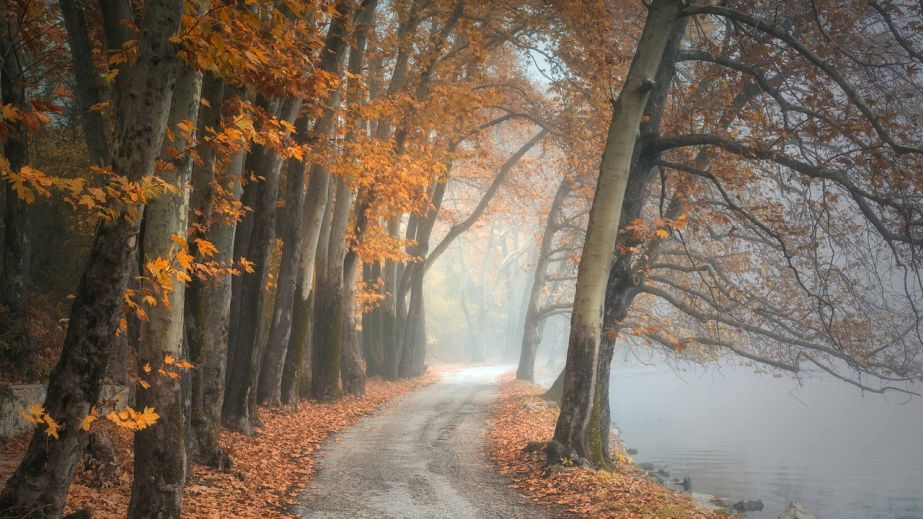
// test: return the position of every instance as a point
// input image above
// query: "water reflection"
(749, 436)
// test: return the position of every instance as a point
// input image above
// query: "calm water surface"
(744, 435)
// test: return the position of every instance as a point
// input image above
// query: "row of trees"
(263, 181)
(264, 176)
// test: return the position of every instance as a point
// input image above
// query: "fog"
(738, 431)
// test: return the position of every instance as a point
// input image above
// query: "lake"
(745, 435)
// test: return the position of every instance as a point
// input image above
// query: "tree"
(577, 433)
(412, 352)
(243, 375)
(736, 228)
(160, 452)
(341, 267)
(329, 223)
(534, 315)
(208, 305)
(16, 247)
(270, 383)
(41, 480)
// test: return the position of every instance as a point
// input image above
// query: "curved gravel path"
(421, 458)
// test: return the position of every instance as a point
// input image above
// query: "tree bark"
(345, 272)
(556, 391)
(16, 245)
(624, 277)
(258, 161)
(344, 267)
(41, 480)
(354, 370)
(388, 306)
(243, 230)
(577, 434)
(208, 301)
(532, 335)
(160, 450)
(270, 386)
(89, 91)
(377, 361)
(365, 198)
(327, 326)
(298, 347)
(413, 335)
(239, 398)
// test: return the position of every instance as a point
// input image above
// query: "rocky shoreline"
(661, 475)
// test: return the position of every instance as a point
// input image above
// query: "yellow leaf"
(662, 233)
(186, 126)
(185, 260)
(206, 248)
(10, 112)
(90, 418)
(143, 383)
(110, 76)
(147, 367)
(52, 430)
(148, 417)
(117, 57)
(179, 240)
(33, 414)
(169, 359)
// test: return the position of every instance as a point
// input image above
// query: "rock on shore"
(796, 511)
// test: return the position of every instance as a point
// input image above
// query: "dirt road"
(421, 458)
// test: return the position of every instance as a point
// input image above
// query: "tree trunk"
(624, 277)
(118, 26)
(258, 160)
(377, 360)
(413, 351)
(353, 366)
(556, 391)
(353, 373)
(16, 246)
(42, 478)
(270, 386)
(577, 434)
(365, 198)
(243, 230)
(160, 451)
(208, 301)
(89, 90)
(532, 335)
(327, 326)
(413, 335)
(388, 305)
(298, 347)
(326, 343)
(244, 374)
(352, 370)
